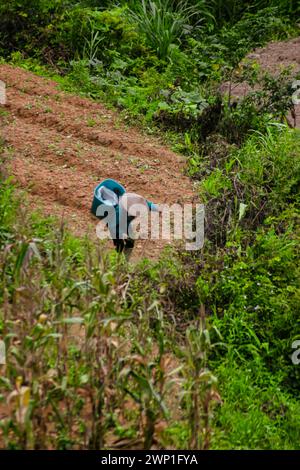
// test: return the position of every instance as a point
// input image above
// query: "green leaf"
(73, 320)
(242, 210)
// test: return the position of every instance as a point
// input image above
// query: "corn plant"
(92, 45)
(200, 384)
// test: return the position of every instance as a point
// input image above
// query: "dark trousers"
(121, 245)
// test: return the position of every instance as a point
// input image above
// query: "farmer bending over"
(130, 206)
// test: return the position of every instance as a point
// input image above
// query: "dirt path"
(272, 58)
(61, 146)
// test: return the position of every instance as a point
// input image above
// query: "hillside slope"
(60, 146)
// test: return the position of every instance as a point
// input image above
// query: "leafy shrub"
(257, 413)
(217, 51)
(251, 31)
(179, 108)
(28, 25)
(255, 297)
(262, 176)
(79, 26)
(231, 11)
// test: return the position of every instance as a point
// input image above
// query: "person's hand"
(159, 208)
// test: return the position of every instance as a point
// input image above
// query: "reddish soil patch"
(273, 58)
(60, 146)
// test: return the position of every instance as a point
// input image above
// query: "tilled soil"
(59, 146)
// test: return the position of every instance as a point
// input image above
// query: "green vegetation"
(194, 350)
(158, 61)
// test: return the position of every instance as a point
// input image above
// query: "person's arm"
(152, 207)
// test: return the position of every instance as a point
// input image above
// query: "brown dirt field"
(59, 146)
(272, 58)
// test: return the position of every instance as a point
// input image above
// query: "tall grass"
(163, 23)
